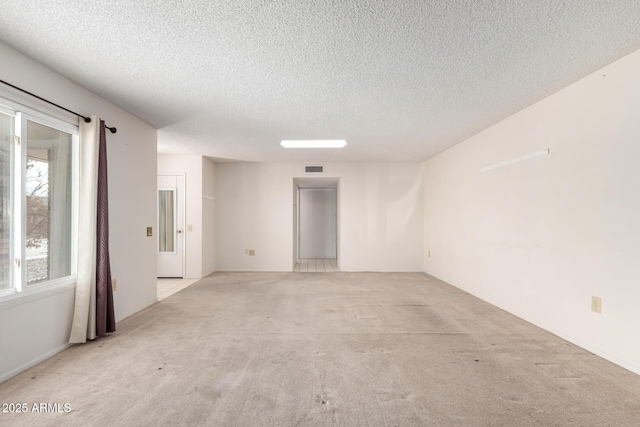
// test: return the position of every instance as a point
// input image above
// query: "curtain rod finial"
(87, 119)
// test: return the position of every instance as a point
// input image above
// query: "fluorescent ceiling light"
(314, 143)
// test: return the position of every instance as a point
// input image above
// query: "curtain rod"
(86, 119)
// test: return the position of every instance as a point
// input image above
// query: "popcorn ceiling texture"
(399, 80)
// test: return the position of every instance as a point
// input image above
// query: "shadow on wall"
(402, 196)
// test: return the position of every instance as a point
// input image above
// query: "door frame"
(299, 183)
(180, 204)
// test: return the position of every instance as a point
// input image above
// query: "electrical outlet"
(114, 284)
(596, 304)
(149, 231)
(190, 227)
(252, 252)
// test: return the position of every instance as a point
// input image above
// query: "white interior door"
(170, 241)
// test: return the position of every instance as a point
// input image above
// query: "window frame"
(18, 283)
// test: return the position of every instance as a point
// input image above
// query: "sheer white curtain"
(84, 315)
(60, 206)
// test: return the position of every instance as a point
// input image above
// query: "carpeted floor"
(287, 349)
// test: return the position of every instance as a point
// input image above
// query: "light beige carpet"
(287, 349)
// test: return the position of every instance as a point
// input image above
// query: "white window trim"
(19, 294)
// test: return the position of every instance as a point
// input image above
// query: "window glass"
(166, 210)
(48, 203)
(6, 139)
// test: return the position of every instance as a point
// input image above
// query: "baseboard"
(597, 351)
(251, 271)
(341, 271)
(33, 362)
(381, 271)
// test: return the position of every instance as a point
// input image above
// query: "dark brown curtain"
(105, 317)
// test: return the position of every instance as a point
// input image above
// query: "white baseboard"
(33, 362)
(237, 270)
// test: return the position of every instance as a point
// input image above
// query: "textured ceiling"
(399, 80)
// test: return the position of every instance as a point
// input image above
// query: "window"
(6, 172)
(38, 181)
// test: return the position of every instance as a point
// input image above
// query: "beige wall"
(540, 237)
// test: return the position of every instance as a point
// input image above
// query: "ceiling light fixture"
(313, 143)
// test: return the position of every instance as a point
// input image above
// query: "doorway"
(170, 240)
(316, 220)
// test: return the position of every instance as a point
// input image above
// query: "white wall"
(191, 166)
(380, 208)
(208, 217)
(539, 238)
(199, 210)
(36, 329)
(318, 227)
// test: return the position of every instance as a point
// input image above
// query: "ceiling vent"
(314, 169)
